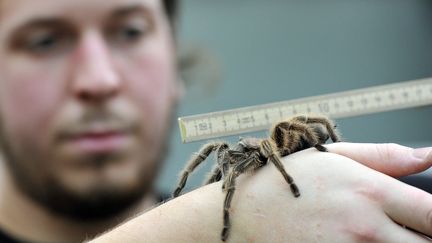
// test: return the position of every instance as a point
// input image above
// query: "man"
(96, 87)
(87, 91)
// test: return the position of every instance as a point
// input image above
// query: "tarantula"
(286, 137)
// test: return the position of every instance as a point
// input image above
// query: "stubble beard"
(98, 204)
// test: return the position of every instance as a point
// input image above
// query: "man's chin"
(119, 172)
(94, 201)
(94, 205)
(93, 194)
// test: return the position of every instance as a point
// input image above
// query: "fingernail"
(423, 153)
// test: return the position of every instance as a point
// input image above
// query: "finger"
(408, 206)
(389, 158)
(395, 233)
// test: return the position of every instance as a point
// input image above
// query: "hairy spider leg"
(310, 135)
(249, 163)
(287, 136)
(221, 167)
(285, 140)
(215, 175)
(231, 158)
(196, 160)
(268, 151)
(324, 121)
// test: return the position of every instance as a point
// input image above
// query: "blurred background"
(239, 53)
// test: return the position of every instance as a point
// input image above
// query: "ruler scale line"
(343, 104)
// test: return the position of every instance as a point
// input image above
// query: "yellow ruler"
(336, 105)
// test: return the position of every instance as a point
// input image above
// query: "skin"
(86, 116)
(93, 132)
(341, 201)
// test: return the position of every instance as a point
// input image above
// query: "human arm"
(341, 201)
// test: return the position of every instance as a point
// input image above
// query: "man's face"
(87, 89)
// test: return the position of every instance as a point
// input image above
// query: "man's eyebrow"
(38, 22)
(42, 22)
(132, 10)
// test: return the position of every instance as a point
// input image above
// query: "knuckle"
(363, 233)
(370, 190)
(423, 207)
(429, 219)
(366, 236)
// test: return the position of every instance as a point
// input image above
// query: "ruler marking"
(336, 105)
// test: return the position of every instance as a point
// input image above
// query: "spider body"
(249, 154)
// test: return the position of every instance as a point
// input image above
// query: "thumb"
(389, 158)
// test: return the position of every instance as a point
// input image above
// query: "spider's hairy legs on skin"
(268, 150)
(251, 163)
(286, 137)
(330, 127)
(247, 164)
(219, 171)
(196, 160)
(302, 132)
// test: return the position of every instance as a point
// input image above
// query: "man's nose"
(94, 78)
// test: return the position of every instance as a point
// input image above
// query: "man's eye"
(44, 43)
(47, 43)
(130, 33)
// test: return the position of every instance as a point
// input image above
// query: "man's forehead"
(16, 12)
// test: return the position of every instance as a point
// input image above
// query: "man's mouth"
(98, 142)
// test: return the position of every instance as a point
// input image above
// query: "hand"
(341, 200)
(389, 158)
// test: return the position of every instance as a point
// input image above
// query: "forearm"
(258, 214)
(193, 217)
(341, 201)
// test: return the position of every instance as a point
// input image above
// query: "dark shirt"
(4, 238)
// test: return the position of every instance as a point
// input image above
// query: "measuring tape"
(336, 105)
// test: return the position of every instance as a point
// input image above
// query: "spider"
(286, 137)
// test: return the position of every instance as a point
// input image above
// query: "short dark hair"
(171, 10)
